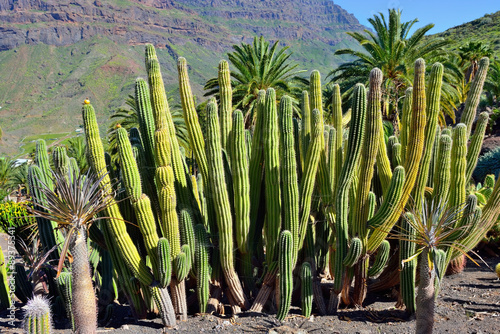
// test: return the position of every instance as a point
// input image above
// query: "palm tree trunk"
(425, 297)
(84, 306)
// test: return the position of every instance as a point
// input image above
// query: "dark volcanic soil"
(469, 302)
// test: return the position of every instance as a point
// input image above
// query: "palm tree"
(470, 54)
(258, 66)
(392, 49)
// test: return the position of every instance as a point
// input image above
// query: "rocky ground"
(469, 302)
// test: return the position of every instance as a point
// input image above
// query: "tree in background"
(393, 49)
(258, 66)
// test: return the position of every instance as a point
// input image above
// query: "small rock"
(124, 327)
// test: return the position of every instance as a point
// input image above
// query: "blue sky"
(443, 13)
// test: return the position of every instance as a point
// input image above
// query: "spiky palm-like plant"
(73, 205)
(436, 231)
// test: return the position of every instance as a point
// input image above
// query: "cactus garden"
(284, 212)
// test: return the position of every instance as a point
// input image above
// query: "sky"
(444, 14)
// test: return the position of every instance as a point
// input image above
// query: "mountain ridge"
(54, 54)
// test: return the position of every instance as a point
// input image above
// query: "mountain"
(485, 29)
(54, 54)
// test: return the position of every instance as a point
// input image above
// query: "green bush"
(488, 163)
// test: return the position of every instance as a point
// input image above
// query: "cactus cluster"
(282, 201)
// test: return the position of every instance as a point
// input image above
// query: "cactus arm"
(306, 124)
(458, 167)
(337, 124)
(442, 174)
(406, 120)
(202, 267)
(408, 269)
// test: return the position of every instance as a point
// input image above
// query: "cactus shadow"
(374, 316)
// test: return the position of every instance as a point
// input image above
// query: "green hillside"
(485, 29)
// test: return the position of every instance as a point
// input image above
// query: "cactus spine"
(285, 273)
(221, 203)
(37, 317)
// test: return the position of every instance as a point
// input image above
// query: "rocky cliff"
(54, 53)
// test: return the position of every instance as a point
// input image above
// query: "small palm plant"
(73, 205)
(437, 231)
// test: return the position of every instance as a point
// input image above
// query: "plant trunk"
(84, 306)
(425, 297)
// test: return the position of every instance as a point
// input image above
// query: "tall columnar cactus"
(306, 124)
(272, 175)
(337, 124)
(458, 166)
(60, 160)
(225, 103)
(286, 264)
(442, 173)
(140, 202)
(380, 259)
(220, 198)
(241, 185)
(412, 160)
(475, 144)
(289, 173)
(37, 316)
(309, 174)
(432, 100)
(122, 240)
(474, 95)
(406, 120)
(408, 269)
(191, 118)
(353, 152)
(202, 267)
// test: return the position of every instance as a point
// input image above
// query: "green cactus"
(164, 260)
(306, 289)
(37, 316)
(191, 118)
(396, 155)
(181, 264)
(434, 156)
(432, 112)
(408, 269)
(241, 181)
(380, 259)
(474, 95)
(353, 152)
(225, 103)
(60, 160)
(66, 291)
(443, 173)
(406, 120)
(289, 173)
(354, 252)
(458, 166)
(476, 142)
(286, 265)
(272, 175)
(202, 267)
(306, 124)
(217, 186)
(337, 124)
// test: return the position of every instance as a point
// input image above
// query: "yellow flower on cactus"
(87, 101)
